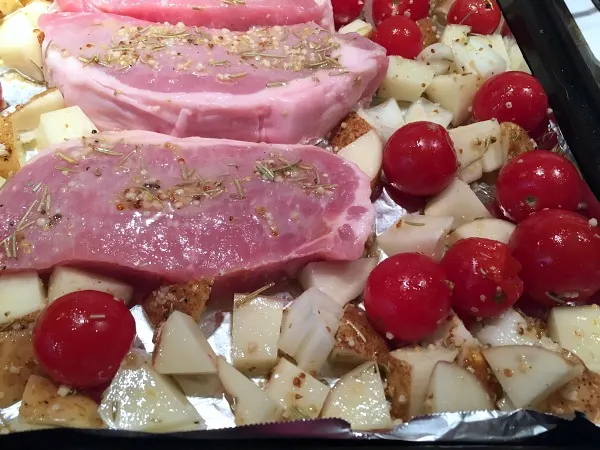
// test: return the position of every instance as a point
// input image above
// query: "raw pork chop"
(184, 208)
(281, 84)
(236, 15)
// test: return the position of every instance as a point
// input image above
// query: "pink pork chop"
(179, 209)
(281, 85)
(235, 15)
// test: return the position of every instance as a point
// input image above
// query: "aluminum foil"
(210, 402)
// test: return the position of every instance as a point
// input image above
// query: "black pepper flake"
(94, 131)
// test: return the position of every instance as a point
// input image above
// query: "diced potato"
(22, 297)
(472, 359)
(9, 6)
(182, 348)
(255, 330)
(516, 56)
(10, 150)
(494, 229)
(348, 131)
(342, 281)
(451, 333)
(438, 56)
(189, 298)
(477, 56)
(359, 399)
(455, 34)
(406, 79)
(515, 140)
(498, 45)
(529, 374)
(17, 364)
(358, 26)
(19, 46)
(299, 394)
(27, 116)
(428, 31)
(422, 361)
(577, 329)
(581, 394)
(33, 10)
(367, 153)
(140, 399)
(453, 389)
(357, 341)
(397, 388)
(200, 385)
(2, 181)
(65, 280)
(459, 202)
(385, 118)
(251, 404)
(424, 110)
(308, 329)
(455, 92)
(62, 125)
(44, 404)
(416, 233)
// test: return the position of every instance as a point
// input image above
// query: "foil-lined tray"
(473, 426)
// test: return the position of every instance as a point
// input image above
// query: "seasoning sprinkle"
(276, 84)
(66, 158)
(37, 187)
(265, 171)
(239, 188)
(106, 151)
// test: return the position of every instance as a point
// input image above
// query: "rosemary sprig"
(265, 172)
(239, 188)
(107, 152)
(66, 158)
(253, 295)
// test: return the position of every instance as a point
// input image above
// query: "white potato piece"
(455, 34)
(406, 80)
(451, 333)
(17, 363)
(33, 10)
(517, 61)
(251, 405)
(457, 201)
(422, 362)
(358, 26)
(529, 374)
(63, 125)
(416, 233)
(366, 152)
(343, 281)
(208, 385)
(65, 280)
(577, 329)
(182, 348)
(27, 117)
(141, 399)
(359, 399)
(455, 92)
(498, 45)
(22, 298)
(477, 56)
(511, 328)
(255, 331)
(299, 394)
(385, 118)
(438, 56)
(43, 404)
(424, 110)
(9, 6)
(2, 181)
(20, 48)
(494, 229)
(453, 389)
(441, 9)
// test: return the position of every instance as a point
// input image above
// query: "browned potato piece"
(472, 359)
(581, 394)
(44, 403)
(397, 388)
(428, 30)
(9, 154)
(9, 6)
(349, 130)
(17, 364)
(517, 139)
(189, 298)
(357, 341)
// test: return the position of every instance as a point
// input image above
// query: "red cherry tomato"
(559, 252)
(512, 97)
(537, 180)
(413, 9)
(345, 11)
(589, 206)
(483, 16)
(406, 297)
(400, 36)
(484, 275)
(419, 159)
(81, 338)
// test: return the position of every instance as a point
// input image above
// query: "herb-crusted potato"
(398, 388)
(189, 298)
(45, 403)
(516, 139)
(9, 151)
(349, 130)
(428, 31)
(472, 359)
(17, 364)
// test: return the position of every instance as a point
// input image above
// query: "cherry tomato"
(413, 9)
(537, 180)
(345, 11)
(559, 252)
(410, 203)
(419, 159)
(400, 36)
(484, 275)
(512, 97)
(483, 16)
(81, 338)
(406, 297)
(589, 206)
